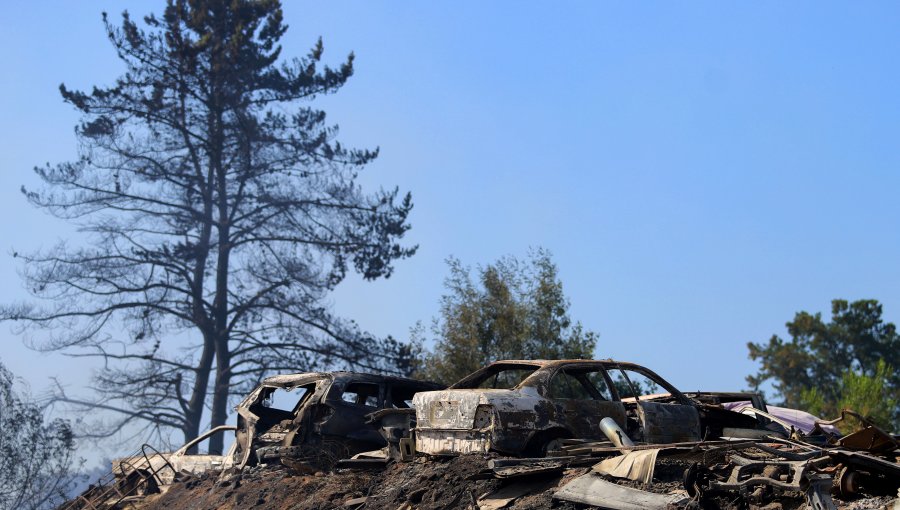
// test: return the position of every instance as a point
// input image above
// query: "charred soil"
(424, 484)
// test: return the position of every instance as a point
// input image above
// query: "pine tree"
(221, 209)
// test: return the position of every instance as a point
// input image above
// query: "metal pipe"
(615, 433)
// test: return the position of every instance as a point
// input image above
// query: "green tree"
(869, 395)
(36, 454)
(828, 364)
(509, 310)
(220, 211)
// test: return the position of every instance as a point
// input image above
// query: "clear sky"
(700, 171)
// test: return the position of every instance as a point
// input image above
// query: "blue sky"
(700, 171)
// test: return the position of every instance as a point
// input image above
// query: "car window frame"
(381, 395)
(569, 378)
(658, 379)
(588, 367)
(491, 370)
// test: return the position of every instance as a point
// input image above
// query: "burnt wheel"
(546, 443)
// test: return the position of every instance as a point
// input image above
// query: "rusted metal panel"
(591, 489)
(635, 465)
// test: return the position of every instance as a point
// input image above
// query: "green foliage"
(869, 395)
(35, 455)
(842, 362)
(509, 310)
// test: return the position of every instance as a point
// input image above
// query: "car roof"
(552, 363)
(543, 366)
(308, 377)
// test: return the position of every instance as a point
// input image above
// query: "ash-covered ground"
(426, 484)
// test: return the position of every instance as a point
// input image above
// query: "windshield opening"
(505, 377)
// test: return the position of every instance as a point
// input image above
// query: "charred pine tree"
(220, 211)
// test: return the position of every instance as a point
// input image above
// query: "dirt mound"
(467, 482)
(427, 485)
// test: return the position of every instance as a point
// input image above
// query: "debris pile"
(816, 470)
(503, 438)
(803, 471)
(426, 484)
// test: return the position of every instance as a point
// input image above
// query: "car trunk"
(448, 409)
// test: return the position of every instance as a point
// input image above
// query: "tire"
(545, 442)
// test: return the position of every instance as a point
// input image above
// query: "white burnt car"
(528, 407)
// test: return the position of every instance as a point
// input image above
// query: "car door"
(582, 398)
(353, 401)
(664, 414)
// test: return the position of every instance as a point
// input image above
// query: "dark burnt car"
(527, 407)
(317, 414)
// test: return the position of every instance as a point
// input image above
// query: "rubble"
(594, 490)
(743, 474)
(806, 470)
(149, 471)
(425, 484)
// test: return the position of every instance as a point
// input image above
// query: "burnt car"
(528, 407)
(317, 416)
